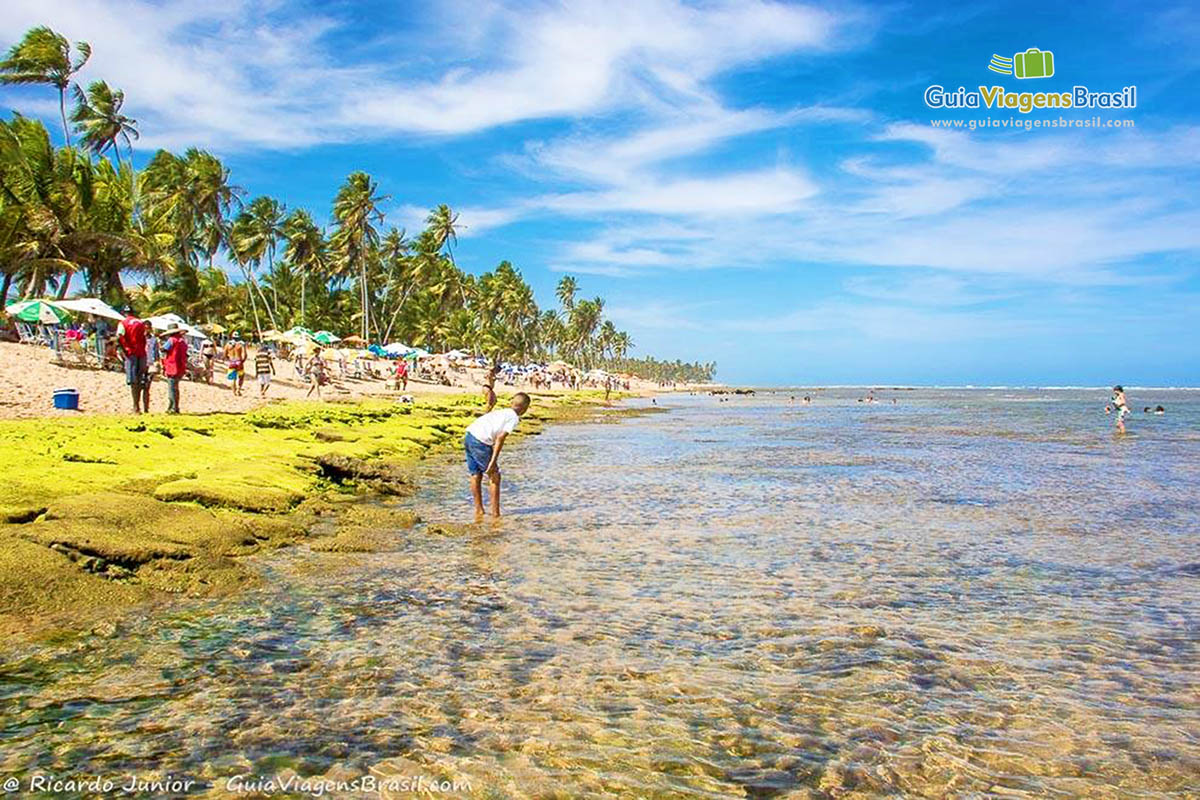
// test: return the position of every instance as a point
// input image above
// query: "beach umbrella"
(397, 349)
(377, 350)
(164, 321)
(36, 311)
(213, 327)
(299, 331)
(90, 305)
(354, 340)
(325, 337)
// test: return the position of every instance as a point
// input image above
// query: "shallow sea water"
(967, 594)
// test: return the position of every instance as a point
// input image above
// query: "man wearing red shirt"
(174, 364)
(131, 339)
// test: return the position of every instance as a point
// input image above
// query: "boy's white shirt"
(492, 424)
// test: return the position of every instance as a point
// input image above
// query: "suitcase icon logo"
(1033, 63)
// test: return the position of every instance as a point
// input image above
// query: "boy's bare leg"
(477, 493)
(494, 480)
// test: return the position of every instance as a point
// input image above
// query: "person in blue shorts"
(483, 442)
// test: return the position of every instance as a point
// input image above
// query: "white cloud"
(250, 74)
(772, 191)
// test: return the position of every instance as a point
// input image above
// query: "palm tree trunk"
(253, 302)
(266, 305)
(62, 109)
(303, 292)
(362, 289)
(65, 286)
(4, 289)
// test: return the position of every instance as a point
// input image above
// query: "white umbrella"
(164, 321)
(90, 305)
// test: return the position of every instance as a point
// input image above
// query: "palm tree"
(355, 212)
(51, 192)
(260, 229)
(193, 193)
(442, 224)
(565, 291)
(304, 249)
(44, 56)
(99, 120)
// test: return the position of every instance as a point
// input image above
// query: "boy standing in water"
(483, 442)
(1120, 406)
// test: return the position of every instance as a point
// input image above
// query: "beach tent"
(325, 337)
(42, 311)
(90, 305)
(379, 351)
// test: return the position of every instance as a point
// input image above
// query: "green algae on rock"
(98, 513)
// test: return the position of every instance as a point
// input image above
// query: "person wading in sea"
(483, 442)
(1120, 406)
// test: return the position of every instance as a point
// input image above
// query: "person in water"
(482, 444)
(1120, 406)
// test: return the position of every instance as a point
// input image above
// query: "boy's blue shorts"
(479, 455)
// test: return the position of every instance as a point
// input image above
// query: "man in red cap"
(174, 364)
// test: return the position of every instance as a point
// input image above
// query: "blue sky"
(750, 182)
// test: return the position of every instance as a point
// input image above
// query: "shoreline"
(29, 376)
(106, 514)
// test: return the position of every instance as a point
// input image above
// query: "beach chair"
(26, 334)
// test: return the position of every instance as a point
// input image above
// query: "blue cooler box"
(67, 399)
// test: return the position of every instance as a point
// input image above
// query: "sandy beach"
(29, 376)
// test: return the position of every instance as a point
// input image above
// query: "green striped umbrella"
(325, 337)
(36, 311)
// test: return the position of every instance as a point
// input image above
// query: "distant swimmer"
(1120, 406)
(807, 400)
(1159, 410)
